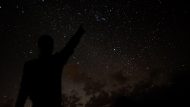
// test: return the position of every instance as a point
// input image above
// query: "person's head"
(45, 45)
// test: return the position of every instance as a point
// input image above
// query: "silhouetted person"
(41, 80)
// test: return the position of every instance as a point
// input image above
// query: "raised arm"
(66, 52)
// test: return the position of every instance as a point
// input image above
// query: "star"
(22, 11)
(30, 51)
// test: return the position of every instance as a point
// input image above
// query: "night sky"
(133, 45)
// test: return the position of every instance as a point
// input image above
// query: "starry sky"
(130, 44)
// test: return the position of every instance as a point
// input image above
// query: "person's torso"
(44, 78)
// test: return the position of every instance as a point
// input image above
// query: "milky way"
(130, 44)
